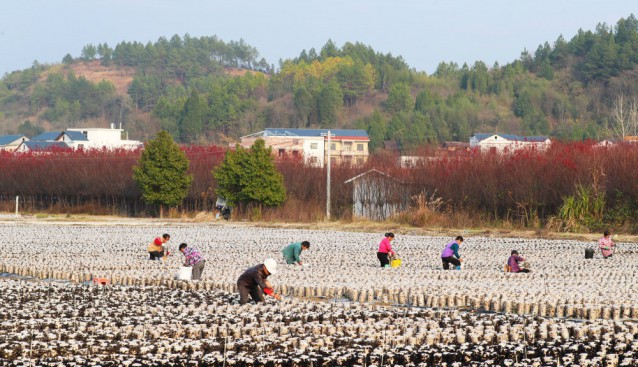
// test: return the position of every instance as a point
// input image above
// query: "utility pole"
(17, 200)
(328, 175)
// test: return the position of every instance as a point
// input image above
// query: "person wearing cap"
(193, 258)
(291, 252)
(450, 254)
(156, 248)
(254, 283)
(513, 261)
(385, 249)
(606, 245)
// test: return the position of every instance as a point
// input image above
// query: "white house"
(72, 140)
(11, 142)
(508, 142)
(102, 138)
(42, 146)
(89, 138)
(346, 146)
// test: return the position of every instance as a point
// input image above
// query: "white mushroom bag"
(185, 273)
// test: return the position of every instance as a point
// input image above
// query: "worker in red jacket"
(254, 283)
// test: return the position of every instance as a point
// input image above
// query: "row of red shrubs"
(521, 185)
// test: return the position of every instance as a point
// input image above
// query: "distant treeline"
(569, 186)
(584, 88)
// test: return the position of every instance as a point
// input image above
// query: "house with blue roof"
(42, 146)
(90, 138)
(313, 146)
(11, 142)
(72, 139)
(508, 142)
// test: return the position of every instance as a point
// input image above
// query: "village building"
(41, 146)
(311, 145)
(82, 138)
(10, 143)
(507, 142)
(103, 138)
(72, 139)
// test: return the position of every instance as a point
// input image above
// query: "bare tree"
(620, 113)
(633, 115)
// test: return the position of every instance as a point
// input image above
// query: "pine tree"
(191, 121)
(161, 172)
(249, 176)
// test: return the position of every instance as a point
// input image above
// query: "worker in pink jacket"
(385, 249)
(606, 245)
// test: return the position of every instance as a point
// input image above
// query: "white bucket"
(185, 273)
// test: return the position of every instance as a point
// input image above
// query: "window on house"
(313, 160)
(314, 146)
(282, 152)
(360, 147)
(295, 141)
(295, 153)
(347, 146)
(333, 146)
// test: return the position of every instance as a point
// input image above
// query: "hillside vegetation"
(204, 90)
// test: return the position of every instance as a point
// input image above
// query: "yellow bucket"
(395, 263)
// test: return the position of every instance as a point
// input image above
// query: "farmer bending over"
(194, 259)
(450, 254)
(513, 261)
(291, 252)
(156, 248)
(253, 282)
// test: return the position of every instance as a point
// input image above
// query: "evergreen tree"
(399, 98)
(249, 176)
(304, 105)
(377, 129)
(88, 52)
(329, 102)
(191, 122)
(67, 60)
(161, 172)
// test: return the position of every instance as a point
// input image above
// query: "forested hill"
(205, 90)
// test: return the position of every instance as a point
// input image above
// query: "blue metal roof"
(53, 135)
(314, 132)
(482, 136)
(76, 135)
(46, 136)
(8, 139)
(45, 145)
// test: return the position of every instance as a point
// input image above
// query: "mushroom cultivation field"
(342, 309)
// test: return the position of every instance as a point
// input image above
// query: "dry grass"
(94, 72)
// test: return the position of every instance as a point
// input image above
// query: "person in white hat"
(254, 283)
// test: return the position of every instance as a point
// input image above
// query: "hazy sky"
(424, 32)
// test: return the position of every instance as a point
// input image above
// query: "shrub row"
(527, 185)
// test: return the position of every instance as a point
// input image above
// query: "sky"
(424, 32)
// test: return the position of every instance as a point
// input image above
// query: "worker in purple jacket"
(513, 261)
(450, 254)
(193, 258)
